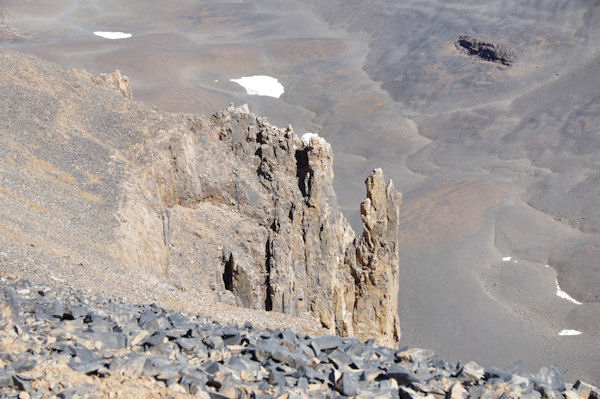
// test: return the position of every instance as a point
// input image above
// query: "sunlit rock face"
(228, 205)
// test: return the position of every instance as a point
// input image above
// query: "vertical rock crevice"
(304, 172)
(268, 290)
(228, 273)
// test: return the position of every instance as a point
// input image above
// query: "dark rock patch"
(485, 51)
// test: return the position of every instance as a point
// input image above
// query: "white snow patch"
(243, 109)
(306, 137)
(260, 85)
(561, 294)
(570, 332)
(113, 35)
(548, 266)
(515, 261)
(506, 258)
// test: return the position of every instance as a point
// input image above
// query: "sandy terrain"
(493, 162)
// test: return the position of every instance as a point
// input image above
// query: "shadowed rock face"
(227, 205)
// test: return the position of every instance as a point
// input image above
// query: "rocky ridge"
(67, 344)
(226, 207)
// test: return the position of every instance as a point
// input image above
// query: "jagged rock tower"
(376, 249)
(295, 251)
(227, 206)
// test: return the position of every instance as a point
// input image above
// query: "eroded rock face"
(227, 206)
(261, 199)
(376, 251)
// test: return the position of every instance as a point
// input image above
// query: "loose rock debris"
(69, 345)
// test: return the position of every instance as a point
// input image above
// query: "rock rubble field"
(67, 344)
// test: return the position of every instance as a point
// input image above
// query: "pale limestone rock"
(376, 270)
(115, 80)
(472, 371)
(457, 391)
(571, 394)
(415, 355)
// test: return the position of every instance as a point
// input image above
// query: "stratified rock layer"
(227, 205)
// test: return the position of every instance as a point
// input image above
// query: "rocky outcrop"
(267, 206)
(225, 207)
(485, 51)
(376, 252)
(7, 32)
(115, 80)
